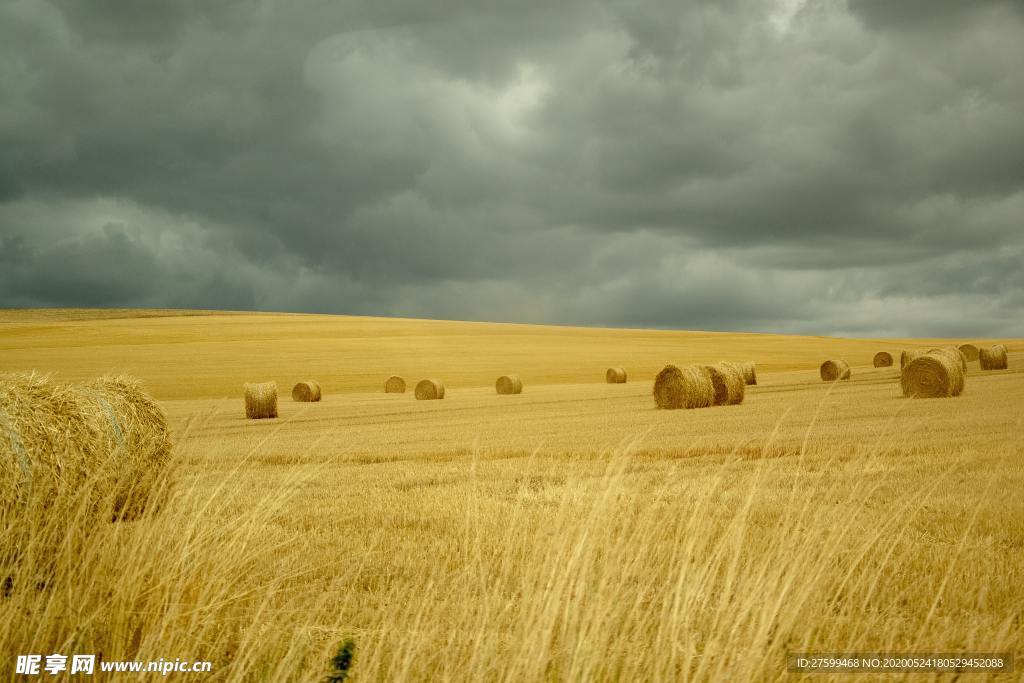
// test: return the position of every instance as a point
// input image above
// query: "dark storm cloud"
(925, 14)
(809, 166)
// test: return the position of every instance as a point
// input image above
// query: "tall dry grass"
(201, 579)
(615, 566)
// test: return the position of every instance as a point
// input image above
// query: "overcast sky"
(826, 167)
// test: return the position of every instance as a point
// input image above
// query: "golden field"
(572, 532)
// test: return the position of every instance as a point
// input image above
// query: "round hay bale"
(73, 456)
(509, 384)
(909, 355)
(688, 387)
(727, 380)
(954, 354)
(307, 392)
(615, 376)
(144, 442)
(394, 385)
(429, 390)
(107, 435)
(260, 400)
(970, 352)
(833, 370)
(749, 372)
(933, 375)
(882, 359)
(993, 358)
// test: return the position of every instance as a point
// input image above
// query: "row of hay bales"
(703, 386)
(989, 358)
(691, 387)
(721, 384)
(931, 373)
(433, 389)
(261, 397)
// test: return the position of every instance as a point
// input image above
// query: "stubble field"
(573, 532)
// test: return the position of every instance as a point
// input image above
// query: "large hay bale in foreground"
(615, 376)
(106, 435)
(729, 385)
(260, 400)
(307, 392)
(882, 359)
(910, 354)
(429, 390)
(833, 370)
(970, 352)
(509, 384)
(953, 353)
(993, 358)
(688, 387)
(933, 375)
(394, 385)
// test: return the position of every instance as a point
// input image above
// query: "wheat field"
(572, 532)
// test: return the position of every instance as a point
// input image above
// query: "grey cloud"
(735, 165)
(107, 269)
(927, 14)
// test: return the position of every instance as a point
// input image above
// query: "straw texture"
(688, 387)
(933, 375)
(261, 400)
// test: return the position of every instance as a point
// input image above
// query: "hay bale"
(615, 376)
(688, 387)
(307, 392)
(749, 371)
(107, 435)
(882, 359)
(71, 457)
(933, 375)
(970, 352)
(993, 358)
(954, 354)
(727, 380)
(260, 400)
(394, 385)
(833, 370)
(429, 390)
(509, 384)
(909, 355)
